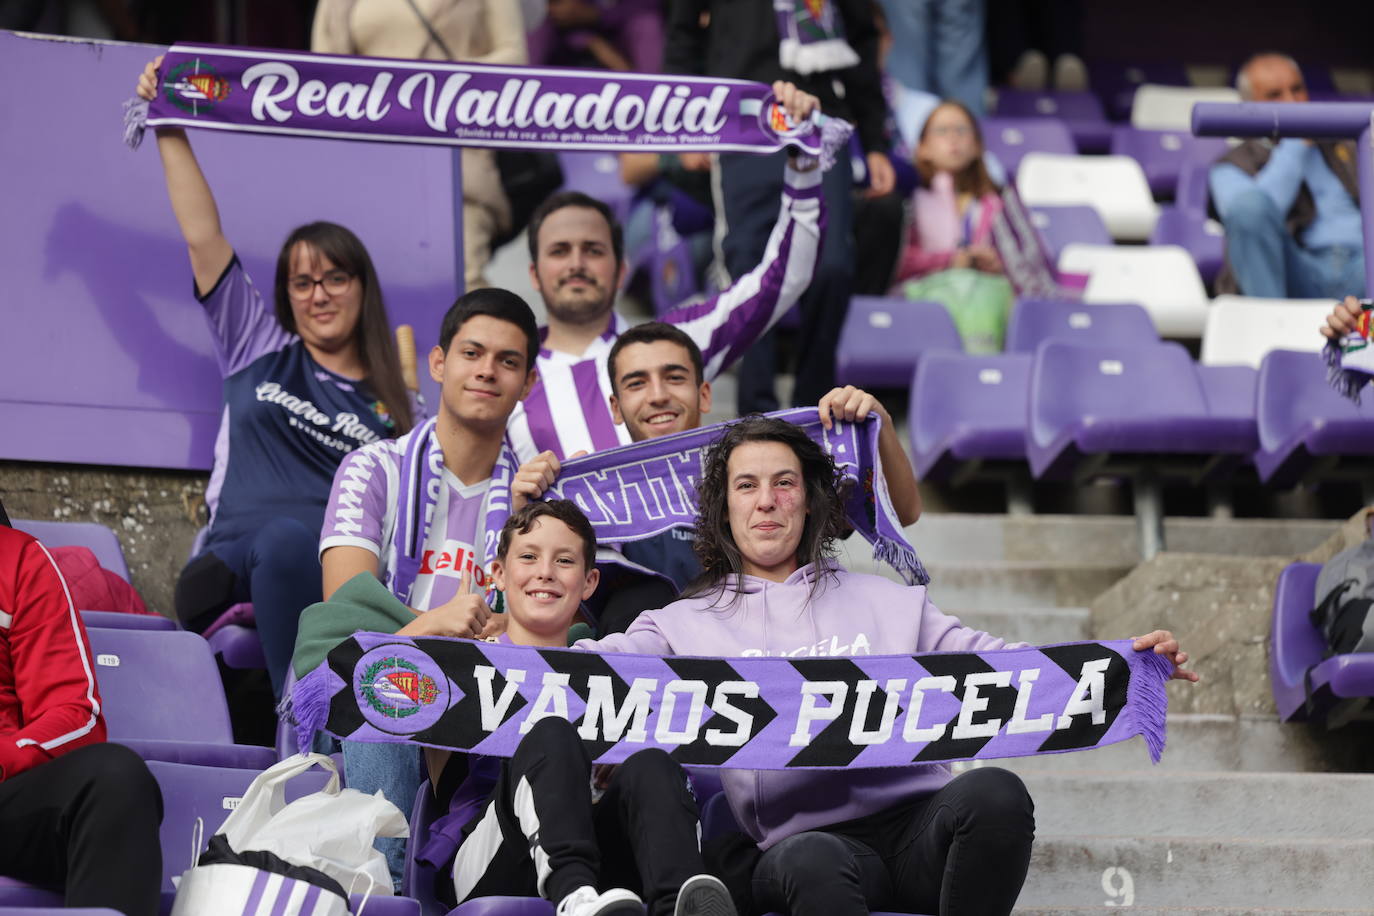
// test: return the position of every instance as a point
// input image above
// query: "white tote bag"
(331, 830)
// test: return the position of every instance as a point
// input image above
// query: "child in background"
(948, 256)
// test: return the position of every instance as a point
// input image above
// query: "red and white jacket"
(49, 703)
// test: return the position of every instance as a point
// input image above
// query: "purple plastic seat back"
(1060, 227)
(1080, 112)
(968, 408)
(209, 793)
(1192, 191)
(882, 339)
(1163, 153)
(1074, 386)
(1229, 390)
(1192, 231)
(1036, 320)
(117, 620)
(1011, 138)
(1301, 416)
(597, 174)
(1115, 82)
(1297, 645)
(504, 906)
(161, 685)
(101, 541)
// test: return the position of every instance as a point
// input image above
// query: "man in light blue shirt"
(1290, 208)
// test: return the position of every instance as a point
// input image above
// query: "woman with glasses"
(306, 380)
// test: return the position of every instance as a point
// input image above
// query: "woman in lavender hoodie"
(845, 842)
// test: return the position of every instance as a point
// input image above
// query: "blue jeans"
(938, 47)
(277, 567)
(397, 770)
(964, 849)
(1269, 263)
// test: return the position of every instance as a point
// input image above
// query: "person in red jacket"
(75, 812)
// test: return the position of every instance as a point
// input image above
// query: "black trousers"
(541, 835)
(964, 850)
(751, 187)
(86, 821)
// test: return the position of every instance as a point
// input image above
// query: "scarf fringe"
(834, 141)
(816, 57)
(135, 121)
(306, 707)
(903, 559)
(1347, 382)
(1147, 701)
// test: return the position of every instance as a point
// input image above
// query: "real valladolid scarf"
(750, 713)
(414, 101)
(1350, 360)
(640, 490)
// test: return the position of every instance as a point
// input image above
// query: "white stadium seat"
(1171, 107)
(1241, 329)
(1162, 278)
(1115, 186)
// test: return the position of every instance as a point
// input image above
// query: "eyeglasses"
(335, 282)
(952, 130)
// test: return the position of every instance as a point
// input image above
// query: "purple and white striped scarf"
(640, 490)
(749, 713)
(811, 37)
(421, 475)
(1350, 360)
(420, 101)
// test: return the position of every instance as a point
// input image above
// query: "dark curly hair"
(825, 520)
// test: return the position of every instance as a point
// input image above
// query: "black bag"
(1345, 587)
(528, 176)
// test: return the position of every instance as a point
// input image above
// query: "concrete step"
(1203, 804)
(1038, 626)
(1209, 743)
(1238, 872)
(1103, 539)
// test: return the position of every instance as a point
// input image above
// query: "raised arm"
(852, 405)
(727, 324)
(192, 201)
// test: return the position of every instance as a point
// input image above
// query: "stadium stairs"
(1243, 814)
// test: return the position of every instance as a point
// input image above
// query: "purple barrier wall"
(105, 357)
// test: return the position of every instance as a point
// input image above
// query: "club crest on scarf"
(195, 87)
(401, 688)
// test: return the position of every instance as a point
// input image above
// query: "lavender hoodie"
(849, 614)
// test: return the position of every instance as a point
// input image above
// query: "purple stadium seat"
(672, 278)
(1092, 403)
(1011, 138)
(597, 174)
(967, 412)
(116, 620)
(161, 695)
(1201, 237)
(100, 540)
(1229, 390)
(1306, 428)
(1064, 225)
(882, 340)
(504, 906)
(1081, 113)
(49, 910)
(1036, 320)
(1162, 153)
(1192, 193)
(1298, 651)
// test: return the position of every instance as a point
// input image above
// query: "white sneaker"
(703, 895)
(585, 901)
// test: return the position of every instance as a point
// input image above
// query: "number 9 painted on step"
(1118, 885)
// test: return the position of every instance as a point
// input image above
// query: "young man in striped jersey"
(577, 265)
(75, 812)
